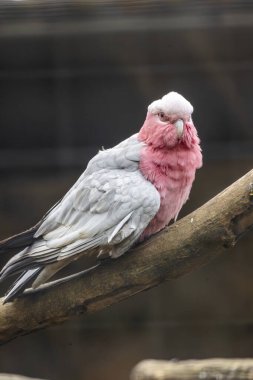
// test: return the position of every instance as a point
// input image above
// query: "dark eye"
(162, 116)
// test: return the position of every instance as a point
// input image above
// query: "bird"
(126, 194)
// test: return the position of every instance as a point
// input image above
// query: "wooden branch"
(10, 376)
(209, 369)
(182, 247)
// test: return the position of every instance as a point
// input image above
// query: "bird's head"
(169, 123)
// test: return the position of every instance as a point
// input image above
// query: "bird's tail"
(21, 283)
(19, 241)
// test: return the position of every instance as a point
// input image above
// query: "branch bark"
(10, 376)
(177, 250)
(209, 369)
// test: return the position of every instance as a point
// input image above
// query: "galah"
(126, 194)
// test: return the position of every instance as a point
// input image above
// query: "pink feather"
(169, 164)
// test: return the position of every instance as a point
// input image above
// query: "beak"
(179, 125)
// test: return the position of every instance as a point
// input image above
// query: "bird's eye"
(162, 116)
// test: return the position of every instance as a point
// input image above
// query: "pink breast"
(172, 172)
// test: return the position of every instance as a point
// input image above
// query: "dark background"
(76, 76)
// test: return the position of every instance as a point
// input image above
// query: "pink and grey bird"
(126, 194)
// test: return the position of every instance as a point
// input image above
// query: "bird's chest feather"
(172, 173)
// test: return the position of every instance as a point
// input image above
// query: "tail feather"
(19, 241)
(24, 260)
(21, 283)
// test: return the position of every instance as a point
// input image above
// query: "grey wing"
(105, 199)
(107, 209)
(107, 212)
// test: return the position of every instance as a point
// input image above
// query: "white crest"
(172, 103)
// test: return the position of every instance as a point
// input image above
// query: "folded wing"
(105, 211)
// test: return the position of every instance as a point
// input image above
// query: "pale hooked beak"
(179, 124)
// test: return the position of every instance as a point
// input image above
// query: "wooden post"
(10, 376)
(209, 369)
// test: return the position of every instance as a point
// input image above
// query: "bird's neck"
(161, 161)
(170, 167)
(172, 172)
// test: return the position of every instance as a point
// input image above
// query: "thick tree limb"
(209, 369)
(187, 244)
(10, 376)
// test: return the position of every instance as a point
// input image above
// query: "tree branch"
(180, 248)
(10, 376)
(208, 369)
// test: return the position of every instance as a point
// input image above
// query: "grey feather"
(20, 284)
(106, 210)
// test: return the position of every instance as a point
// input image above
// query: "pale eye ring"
(162, 116)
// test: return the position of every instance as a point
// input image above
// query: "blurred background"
(79, 75)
